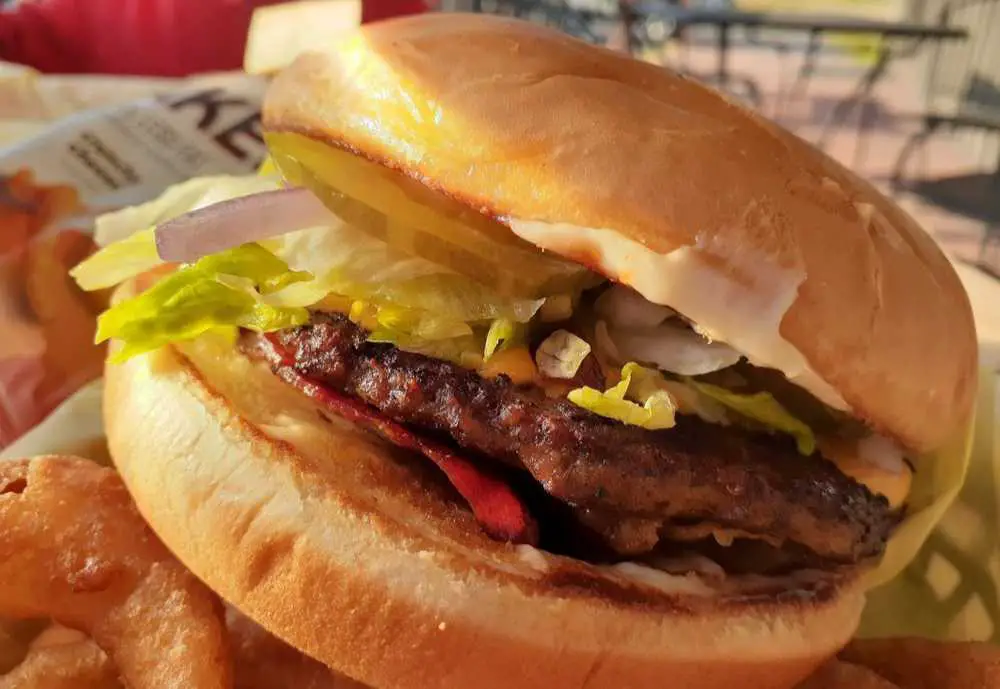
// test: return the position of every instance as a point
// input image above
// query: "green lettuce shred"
(408, 301)
(255, 263)
(129, 245)
(117, 262)
(501, 332)
(415, 323)
(450, 296)
(763, 408)
(650, 406)
(215, 294)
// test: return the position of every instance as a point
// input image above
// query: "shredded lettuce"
(401, 298)
(404, 300)
(353, 263)
(411, 295)
(217, 293)
(653, 407)
(764, 409)
(415, 331)
(645, 398)
(252, 261)
(117, 262)
(418, 324)
(501, 331)
(126, 236)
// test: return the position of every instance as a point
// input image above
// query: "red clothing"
(142, 37)
(374, 10)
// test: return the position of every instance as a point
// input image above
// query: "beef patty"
(633, 486)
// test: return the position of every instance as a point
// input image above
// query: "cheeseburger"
(526, 364)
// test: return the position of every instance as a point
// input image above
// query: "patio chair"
(651, 34)
(962, 94)
(586, 20)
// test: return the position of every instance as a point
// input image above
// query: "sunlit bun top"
(660, 183)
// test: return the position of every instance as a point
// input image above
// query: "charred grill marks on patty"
(631, 485)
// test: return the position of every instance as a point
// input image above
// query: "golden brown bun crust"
(536, 126)
(353, 552)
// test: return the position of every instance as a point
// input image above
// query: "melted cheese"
(893, 480)
(516, 363)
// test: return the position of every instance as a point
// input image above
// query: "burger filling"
(567, 412)
(609, 490)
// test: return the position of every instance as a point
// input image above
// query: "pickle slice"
(421, 221)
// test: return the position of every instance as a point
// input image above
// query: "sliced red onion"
(234, 222)
(673, 348)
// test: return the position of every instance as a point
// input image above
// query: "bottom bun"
(356, 553)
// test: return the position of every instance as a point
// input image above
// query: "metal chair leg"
(862, 92)
(869, 115)
(914, 143)
(800, 85)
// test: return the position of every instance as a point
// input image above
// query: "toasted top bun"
(357, 553)
(663, 185)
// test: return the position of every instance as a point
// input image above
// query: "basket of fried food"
(91, 599)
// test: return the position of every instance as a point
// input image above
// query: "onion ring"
(15, 640)
(59, 661)
(65, 659)
(74, 548)
(61, 658)
(265, 662)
